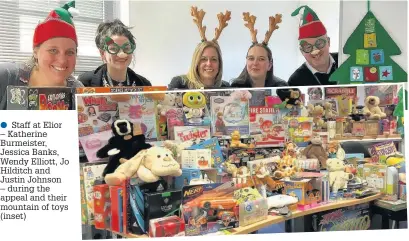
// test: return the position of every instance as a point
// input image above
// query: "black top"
(95, 78)
(178, 82)
(304, 77)
(277, 82)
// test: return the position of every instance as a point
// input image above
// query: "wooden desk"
(270, 220)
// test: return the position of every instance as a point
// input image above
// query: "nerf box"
(167, 227)
(209, 208)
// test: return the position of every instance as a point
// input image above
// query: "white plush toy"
(372, 109)
(166, 104)
(148, 165)
(338, 178)
(177, 148)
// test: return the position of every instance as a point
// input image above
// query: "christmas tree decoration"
(57, 24)
(369, 48)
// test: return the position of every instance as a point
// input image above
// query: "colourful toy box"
(167, 227)
(102, 207)
(375, 174)
(209, 208)
(308, 191)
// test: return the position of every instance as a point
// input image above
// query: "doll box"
(166, 227)
(253, 211)
(102, 206)
(375, 174)
(308, 191)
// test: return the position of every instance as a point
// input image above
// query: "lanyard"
(108, 82)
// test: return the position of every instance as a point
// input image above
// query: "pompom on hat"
(57, 24)
(310, 26)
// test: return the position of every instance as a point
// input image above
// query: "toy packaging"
(191, 133)
(196, 159)
(166, 227)
(44, 98)
(298, 130)
(102, 207)
(266, 126)
(229, 115)
(195, 109)
(92, 143)
(117, 197)
(375, 174)
(386, 93)
(253, 211)
(140, 110)
(306, 190)
(216, 152)
(209, 208)
(381, 149)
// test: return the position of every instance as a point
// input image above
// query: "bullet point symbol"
(3, 125)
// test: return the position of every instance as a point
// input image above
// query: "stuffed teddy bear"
(317, 113)
(235, 140)
(329, 113)
(166, 104)
(148, 165)
(335, 150)
(338, 178)
(294, 99)
(127, 141)
(372, 109)
(315, 150)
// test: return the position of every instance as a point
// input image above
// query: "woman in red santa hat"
(54, 56)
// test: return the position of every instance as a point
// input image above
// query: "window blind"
(18, 19)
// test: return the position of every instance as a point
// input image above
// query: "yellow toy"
(235, 140)
(194, 106)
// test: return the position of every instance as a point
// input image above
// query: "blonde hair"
(192, 78)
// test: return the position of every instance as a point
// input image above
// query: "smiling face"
(121, 60)
(56, 59)
(257, 63)
(318, 57)
(209, 65)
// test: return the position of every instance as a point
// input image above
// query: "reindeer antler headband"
(251, 20)
(198, 19)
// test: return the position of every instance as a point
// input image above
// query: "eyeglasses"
(113, 48)
(308, 48)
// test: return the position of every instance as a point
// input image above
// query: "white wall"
(166, 35)
(392, 15)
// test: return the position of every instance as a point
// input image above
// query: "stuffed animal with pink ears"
(243, 95)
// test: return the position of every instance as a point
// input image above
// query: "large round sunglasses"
(113, 48)
(308, 48)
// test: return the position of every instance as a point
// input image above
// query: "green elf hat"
(57, 24)
(310, 25)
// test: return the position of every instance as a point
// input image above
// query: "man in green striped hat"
(314, 45)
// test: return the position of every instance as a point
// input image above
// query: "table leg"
(385, 222)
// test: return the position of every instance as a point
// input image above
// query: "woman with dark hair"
(258, 71)
(116, 45)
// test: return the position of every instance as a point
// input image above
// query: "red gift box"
(371, 74)
(102, 206)
(166, 227)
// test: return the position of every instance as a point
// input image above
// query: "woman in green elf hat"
(54, 56)
(116, 45)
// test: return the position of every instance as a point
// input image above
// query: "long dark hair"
(109, 29)
(245, 78)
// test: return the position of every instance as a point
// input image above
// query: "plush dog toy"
(127, 141)
(148, 165)
(372, 110)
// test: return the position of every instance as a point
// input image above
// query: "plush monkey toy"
(291, 97)
(127, 141)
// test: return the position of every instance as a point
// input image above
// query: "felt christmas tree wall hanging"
(370, 48)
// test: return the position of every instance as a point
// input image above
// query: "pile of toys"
(195, 163)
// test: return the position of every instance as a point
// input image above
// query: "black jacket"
(94, 78)
(178, 82)
(304, 77)
(277, 82)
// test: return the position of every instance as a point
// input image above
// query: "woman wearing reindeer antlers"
(206, 69)
(258, 71)
(116, 45)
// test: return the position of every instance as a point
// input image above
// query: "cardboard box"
(102, 207)
(253, 211)
(375, 174)
(308, 191)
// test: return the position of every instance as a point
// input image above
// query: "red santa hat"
(310, 25)
(57, 24)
